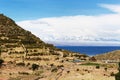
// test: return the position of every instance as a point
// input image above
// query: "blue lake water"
(90, 50)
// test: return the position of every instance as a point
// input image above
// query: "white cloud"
(114, 8)
(102, 29)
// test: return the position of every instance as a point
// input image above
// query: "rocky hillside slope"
(17, 43)
(23, 56)
(114, 55)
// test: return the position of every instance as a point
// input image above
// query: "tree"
(35, 67)
(1, 61)
(117, 76)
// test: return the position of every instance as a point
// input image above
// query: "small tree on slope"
(117, 76)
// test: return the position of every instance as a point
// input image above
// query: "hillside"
(21, 47)
(23, 56)
(15, 40)
(114, 55)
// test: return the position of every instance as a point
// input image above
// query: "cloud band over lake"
(102, 29)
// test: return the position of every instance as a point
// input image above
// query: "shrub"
(28, 64)
(54, 70)
(10, 62)
(117, 76)
(62, 61)
(97, 67)
(77, 69)
(24, 73)
(68, 71)
(112, 74)
(12, 78)
(1, 62)
(51, 65)
(65, 55)
(57, 58)
(20, 64)
(35, 67)
(105, 69)
(10, 73)
(60, 66)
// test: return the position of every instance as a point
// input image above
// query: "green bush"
(91, 64)
(117, 76)
(20, 64)
(35, 67)
(1, 62)
(97, 67)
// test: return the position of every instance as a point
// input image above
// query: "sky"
(68, 22)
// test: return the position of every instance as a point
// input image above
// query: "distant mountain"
(80, 40)
(114, 55)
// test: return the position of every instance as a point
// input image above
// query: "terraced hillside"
(18, 44)
(23, 56)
